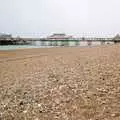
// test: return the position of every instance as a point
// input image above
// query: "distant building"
(59, 37)
(4, 36)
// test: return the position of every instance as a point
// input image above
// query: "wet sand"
(60, 84)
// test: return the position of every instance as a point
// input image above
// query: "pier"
(72, 42)
(58, 40)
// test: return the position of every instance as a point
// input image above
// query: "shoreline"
(10, 54)
(20, 47)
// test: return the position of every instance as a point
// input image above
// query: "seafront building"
(2, 35)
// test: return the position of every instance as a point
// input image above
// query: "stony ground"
(60, 84)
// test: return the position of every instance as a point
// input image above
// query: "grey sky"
(44, 17)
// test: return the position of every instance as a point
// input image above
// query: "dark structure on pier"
(116, 39)
(7, 39)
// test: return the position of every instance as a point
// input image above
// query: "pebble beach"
(60, 83)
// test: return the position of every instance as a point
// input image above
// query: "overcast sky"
(44, 17)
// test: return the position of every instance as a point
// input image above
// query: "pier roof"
(59, 36)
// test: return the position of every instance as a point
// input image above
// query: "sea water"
(14, 47)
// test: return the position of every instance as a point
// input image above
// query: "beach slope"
(60, 84)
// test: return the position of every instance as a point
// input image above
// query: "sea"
(15, 47)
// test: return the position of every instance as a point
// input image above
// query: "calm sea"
(14, 47)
